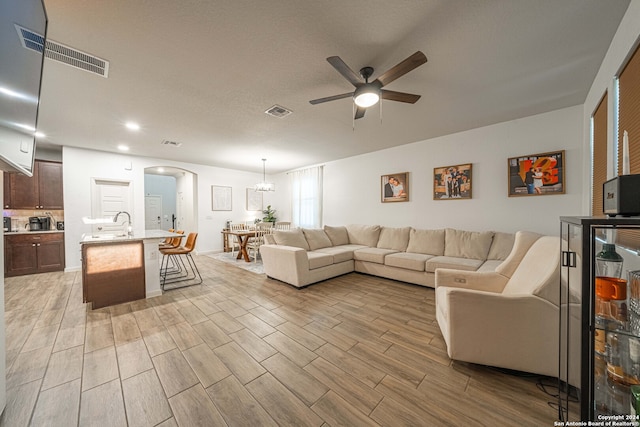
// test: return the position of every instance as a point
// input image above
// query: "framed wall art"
(254, 200)
(537, 174)
(220, 198)
(452, 182)
(395, 187)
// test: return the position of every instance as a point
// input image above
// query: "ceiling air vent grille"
(61, 53)
(171, 143)
(278, 111)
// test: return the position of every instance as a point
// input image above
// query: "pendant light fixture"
(264, 185)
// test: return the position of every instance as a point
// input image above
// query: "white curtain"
(306, 198)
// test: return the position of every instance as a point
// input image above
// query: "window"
(306, 198)
(599, 160)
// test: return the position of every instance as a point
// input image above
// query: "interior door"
(107, 199)
(153, 212)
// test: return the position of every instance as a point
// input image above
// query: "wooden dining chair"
(235, 245)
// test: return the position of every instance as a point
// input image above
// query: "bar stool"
(182, 274)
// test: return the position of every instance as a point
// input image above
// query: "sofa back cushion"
(337, 235)
(430, 242)
(394, 238)
(293, 237)
(539, 271)
(316, 238)
(501, 245)
(467, 244)
(269, 239)
(363, 234)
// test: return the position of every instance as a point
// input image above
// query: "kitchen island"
(118, 269)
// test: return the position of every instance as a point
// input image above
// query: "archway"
(171, 194)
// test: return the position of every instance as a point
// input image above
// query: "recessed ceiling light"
(123, 147)
(39, 135)
(132, 126)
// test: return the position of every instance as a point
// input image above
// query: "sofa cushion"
(407, 260)
(467, 244)
(293, 237)
(372, 254)
(490, 265)
(429, 242)
(337, 235)
(269, 239)
(501, 245)
(341, 253)
(456, 263)
(316, 238)
(363, 234)
(319, 259)
(394, 238)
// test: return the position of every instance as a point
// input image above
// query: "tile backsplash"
(20, 217)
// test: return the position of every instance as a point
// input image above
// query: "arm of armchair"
(286, 263)
(489, 281)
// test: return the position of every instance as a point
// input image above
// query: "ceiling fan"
(368, 94)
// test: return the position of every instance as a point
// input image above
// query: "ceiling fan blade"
(400, 96)
(359, 113)
(344, 69)
(412, 62)
(330, 98)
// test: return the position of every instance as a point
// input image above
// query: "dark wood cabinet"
(41, 191)
(33, 253)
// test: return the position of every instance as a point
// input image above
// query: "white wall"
(352, 185)
(81, 165)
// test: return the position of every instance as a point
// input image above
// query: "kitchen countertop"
(137, 236)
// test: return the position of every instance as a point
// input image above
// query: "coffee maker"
(39, 223)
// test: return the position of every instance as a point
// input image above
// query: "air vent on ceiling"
(61, 53)
(278, 111)
(171, 143)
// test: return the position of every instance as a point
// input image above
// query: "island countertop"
(137, 236)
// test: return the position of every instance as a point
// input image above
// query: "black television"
(20, 81)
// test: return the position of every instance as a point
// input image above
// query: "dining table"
(243, 237)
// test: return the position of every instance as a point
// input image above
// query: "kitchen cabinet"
(41, 191)
(30, 253)
(599, 320)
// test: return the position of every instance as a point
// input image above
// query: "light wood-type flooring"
(244, 350)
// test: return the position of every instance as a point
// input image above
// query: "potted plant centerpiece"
(269, 215)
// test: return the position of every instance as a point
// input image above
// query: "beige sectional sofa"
(301, 257)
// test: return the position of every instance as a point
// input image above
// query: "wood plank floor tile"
(144, 399)
(237, 405)
(387, 364)
(225, 322)
(125, 329)
(281, 404)
(355, 366)
(99, 367)
(171, 422)
(64, 366)
(133, 358)
(158, 340)
(303, 384)
(252, 344)
(147, 319)
(205, 305)
(103, 406)
(231, 308)
(207, 366)
(332, 336)
(338, 412)
(295, 352)
(267, 316)
(28, 367)
(168, 314)
(255, 325)
(184, 335)
(49, 317)
(211, 334)
(192, 314)
(41, 337)
(58, 406)
(243, 366)
(301, 336)
(98, 336)
(20, 403)
(358, 394)
(69, 337)
(193, 407)
(174, 372)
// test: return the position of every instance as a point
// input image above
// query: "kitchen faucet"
(129, 228)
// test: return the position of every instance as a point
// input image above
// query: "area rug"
(253, 266)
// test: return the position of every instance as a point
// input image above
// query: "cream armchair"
(507, 318)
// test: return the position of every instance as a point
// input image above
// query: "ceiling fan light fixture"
(366, 96)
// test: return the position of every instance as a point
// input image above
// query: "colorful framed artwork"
(395, 187)
(452, 182)
(537, 174)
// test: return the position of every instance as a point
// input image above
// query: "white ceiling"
(203, 72)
